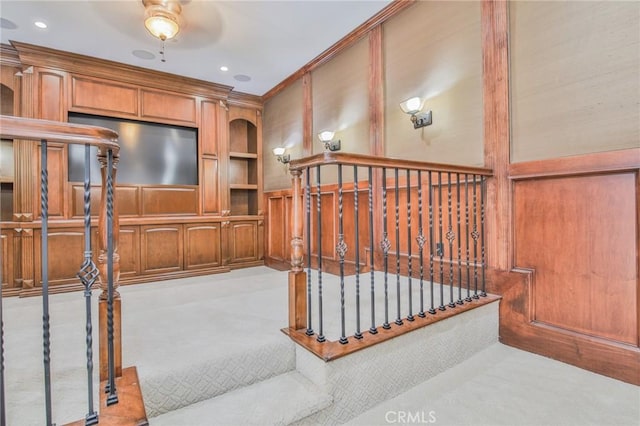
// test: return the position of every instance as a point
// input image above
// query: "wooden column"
(495, 66)
(297, 276)
(102, 267)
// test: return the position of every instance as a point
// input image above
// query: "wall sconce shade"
(162, 18)
(413, 106)
(326, 138)
(279, 153)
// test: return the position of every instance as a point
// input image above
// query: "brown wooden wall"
(167, 230)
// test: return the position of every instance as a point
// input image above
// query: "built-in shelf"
(243, 155)
(243, 186)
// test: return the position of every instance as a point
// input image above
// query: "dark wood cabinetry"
(166, 231)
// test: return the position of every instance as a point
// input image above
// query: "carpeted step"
(280, 400)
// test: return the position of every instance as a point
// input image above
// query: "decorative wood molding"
(376, 92)
(392, 9)
(30, 54)
(495, 67)
(9, 56)
(600, 162)
(307, 115)
(245, 100)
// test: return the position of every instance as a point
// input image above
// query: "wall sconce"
(413, 106)
(279, 153)
(326, 137)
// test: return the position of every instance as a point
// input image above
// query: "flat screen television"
(150, 153)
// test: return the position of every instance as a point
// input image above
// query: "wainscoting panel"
(579, 234)
(161, 248)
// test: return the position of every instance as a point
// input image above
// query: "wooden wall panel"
(127, 200)
(209, 128)
(210, 186)
(243, 241)
(276, 228)
(202, 246)
(102, 96)
(579, 234)
(6, 261)
(129, 250)
(161, 248)
(167, 106)
(169, 200)
(66, 251)
(52, 93)
(57, 179)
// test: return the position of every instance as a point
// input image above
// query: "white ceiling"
(265, 40)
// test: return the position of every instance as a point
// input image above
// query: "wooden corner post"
(297, 276)
(102, 267)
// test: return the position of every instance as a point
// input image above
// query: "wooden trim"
(74, 63)
(376, 92)
(600, 162)
(329, 351)
(9, 56)
(307, 115)
(391, 10)
(495, 67)
(245, 100)
(328, 157)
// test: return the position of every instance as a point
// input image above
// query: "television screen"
(150, 153)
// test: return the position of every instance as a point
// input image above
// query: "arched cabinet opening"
(243, 167)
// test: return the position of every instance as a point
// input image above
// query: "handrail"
(56, 131)
(107, 271)
(362, 160)
(427, 219)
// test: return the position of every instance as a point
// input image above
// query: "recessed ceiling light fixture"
(40, 24)
(224, 69)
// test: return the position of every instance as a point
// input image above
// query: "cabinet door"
(161, 248)
(6, 258)
(243, 242)
(202, 246)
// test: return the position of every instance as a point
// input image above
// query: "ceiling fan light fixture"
(162, 18)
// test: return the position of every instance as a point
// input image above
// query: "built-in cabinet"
(165, 230)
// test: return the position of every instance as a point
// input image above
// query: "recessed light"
(40, 24)
(223, 68)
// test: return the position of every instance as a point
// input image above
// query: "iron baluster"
(307, 195)
(410, 316)
(397, 200)
(432, 309)
(320, 337)
(466, 226)
(46, 336)
(88, 274)
(459, 302)
(341, 250)
(358, 334)
(421, 241)
(483, 194)
(440, 248)
(112, 398)
(3, 417)
(372, 329)
(385, 245)
(475, 235)
(451, 238)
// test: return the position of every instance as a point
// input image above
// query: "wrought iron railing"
(413, 230)
(105, 140)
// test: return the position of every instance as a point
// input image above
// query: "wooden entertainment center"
(166, 231)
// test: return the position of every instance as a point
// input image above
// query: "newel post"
(103, 268)
(297, 276)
